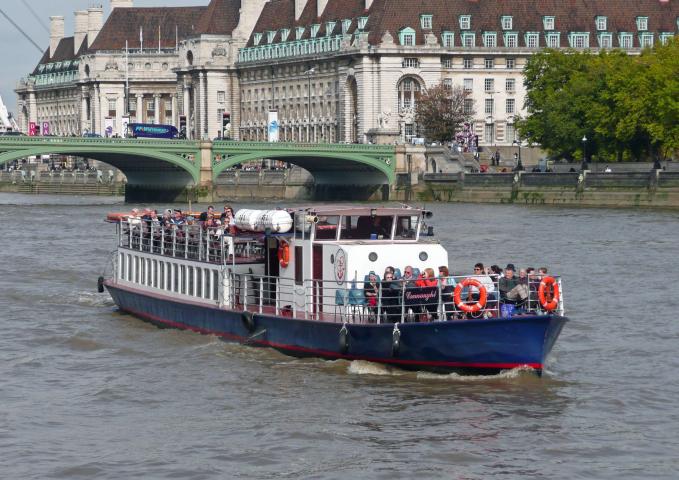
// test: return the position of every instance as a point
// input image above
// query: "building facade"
(333, 71)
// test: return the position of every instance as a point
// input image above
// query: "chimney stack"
(368, 4)
(79, 29)
(320, 6)
(95, 20)
(121, 4)
(56, 33)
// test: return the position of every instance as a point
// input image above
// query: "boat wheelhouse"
(307, 282)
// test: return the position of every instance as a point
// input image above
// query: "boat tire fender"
(248, 321)
(100, 284)
(395, 341)
(344, 339)
(548, 293)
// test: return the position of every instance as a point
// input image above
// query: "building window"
(605, 40)
(489, 106)
(578, 39)
(447, 62)
(448, 39)
(329, 27)
(345, 25)
(511, 63)
(532, 40)
(448, 83)
(488, 84)
(361, 22)
(285, 33)
(314, 29)
(642, 24)
(131, 105)
(467, 63)
(469, 106)
(509, 105)
(601, 23)
(646, 40)
(511, 40)
(465, 22)
(665, 37)
(489, 63)
(468, 84)
(548, 23)
(506, 21)
(510, 133)
(408, 93)
(425, 22)
(299, 33)
(409, 131)
(625, 40)
(221, 96)
(257, 38)
(407, 37)
(270, 36)
(510, 85)
(468, 39)
(553, 40)
(490, 39)
(489, 133)
(111, 107)
(410, 62)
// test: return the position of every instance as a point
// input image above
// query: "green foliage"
(627, 106)
(440, 112)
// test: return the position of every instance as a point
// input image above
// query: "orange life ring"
(462, 305)
(116, 217)
(548, 293)
(284, 253)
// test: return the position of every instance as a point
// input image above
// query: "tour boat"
(307, 282)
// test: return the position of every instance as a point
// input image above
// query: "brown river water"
(89, 392)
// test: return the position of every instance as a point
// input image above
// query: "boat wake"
(362, 367)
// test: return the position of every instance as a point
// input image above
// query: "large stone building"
(333, 70)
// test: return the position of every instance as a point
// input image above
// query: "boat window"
(122, 270)
(155, 273)
(199, 282)
(406, 227)
(190, 281)
(215, 285)
(175, 277)
(299, 271)
(366, 227)
(136, 269)
(128, 264)
(161, 275)
(326, 228)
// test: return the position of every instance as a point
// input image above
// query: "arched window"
(408, 93)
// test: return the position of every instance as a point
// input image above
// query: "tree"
(440, 112)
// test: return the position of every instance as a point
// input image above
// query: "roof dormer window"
(448, 39)
(257, 38)
(299, 33)
(548, 23)
(490, 39)
(270, 35)
(426, 21)
(285, 33)
(329, 27)
(406, 37)
(345, 25)
(642, 24)
(601, 23)
(465, 22)
(507, 22)
(362, 21)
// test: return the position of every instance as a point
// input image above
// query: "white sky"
(18, 56)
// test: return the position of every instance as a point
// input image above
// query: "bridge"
(168, 170)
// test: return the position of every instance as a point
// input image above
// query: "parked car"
(12, 133)
(91, 135)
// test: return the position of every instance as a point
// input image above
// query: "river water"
(89, 392)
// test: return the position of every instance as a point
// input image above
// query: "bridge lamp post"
(519, 165)
(584, 153)
(309, 73)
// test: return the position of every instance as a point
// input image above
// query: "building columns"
(95, 111)
(174, 121)
(156, 108)
(139, 112)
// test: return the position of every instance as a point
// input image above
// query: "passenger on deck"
(371, 291)
(408, 277)
(511, 289)
(427, 278)
(391, 297)
(228, 220)
(481, 275)
(207, 214)
(447, 289)
(177, 218)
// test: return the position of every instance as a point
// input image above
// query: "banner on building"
(32, 129)
(182, 127)
(273, 125)
(124, 122)
(108, 127)
(45, 128)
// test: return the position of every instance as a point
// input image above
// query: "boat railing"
(446, 299)
(188, 241)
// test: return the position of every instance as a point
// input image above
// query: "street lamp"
(309, 73)
(519, 165)
(584, 153)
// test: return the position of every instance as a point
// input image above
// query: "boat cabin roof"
(359, 210)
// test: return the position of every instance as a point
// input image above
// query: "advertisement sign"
(45, 128)
(124, 122)
(108, 127)
(32, 129)
(273, 125)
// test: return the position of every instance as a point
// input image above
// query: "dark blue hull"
(471, 346)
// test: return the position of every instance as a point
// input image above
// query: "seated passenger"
(447, 290)
(207, 214)
(371, 291)
(409, 277)
(511, 290)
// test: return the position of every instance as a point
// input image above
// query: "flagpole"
(158, 38)
(141, 39)
(176, 37)
(127, 78)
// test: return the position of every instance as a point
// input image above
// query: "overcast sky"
(18, 56)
